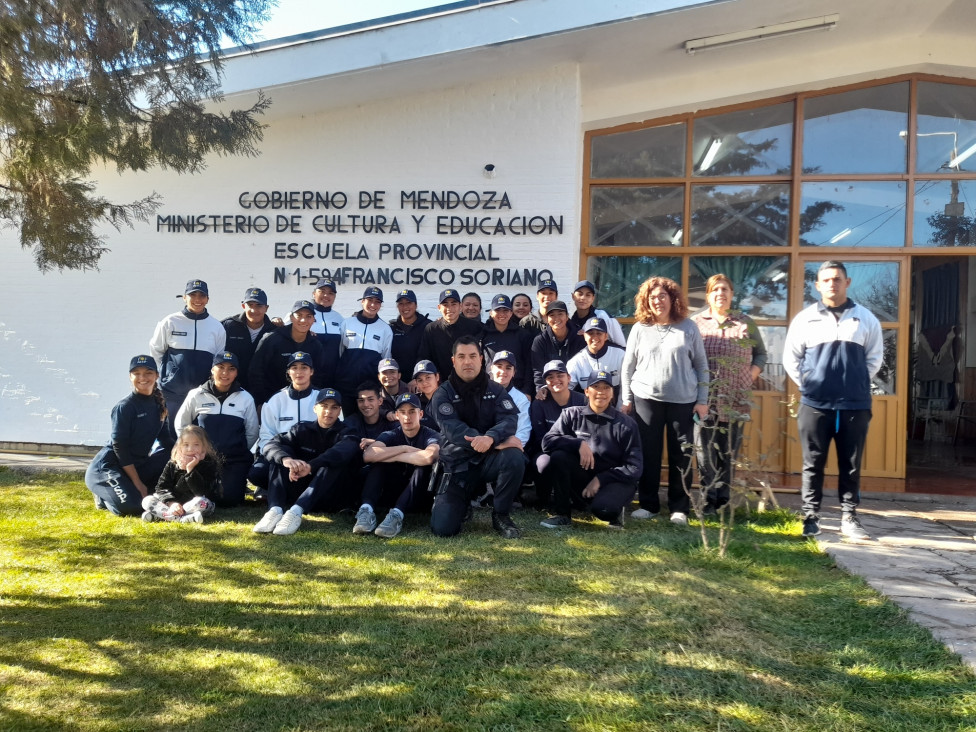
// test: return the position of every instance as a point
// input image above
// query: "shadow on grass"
(113, 624)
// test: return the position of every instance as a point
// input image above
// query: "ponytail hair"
(160, 402)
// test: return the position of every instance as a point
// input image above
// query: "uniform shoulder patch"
(508, 404)
(445, 409)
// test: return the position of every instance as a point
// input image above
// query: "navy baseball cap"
(143, 362)
(500, 302)
(300, 357)
(196, 286)
(447, 295)
(387, 364)
(595, 324)
(584, 283)
(325, 282)
(424, 367)
(555, 366)
(407, 295)
(303, 305)
(411, 399)
(328, 394)
(504, 356)
(556, 305)
(597, 376)
(225, 357)
(547, 285)
(255, 294)
(373, 292)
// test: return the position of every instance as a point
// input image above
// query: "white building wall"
(66, 338)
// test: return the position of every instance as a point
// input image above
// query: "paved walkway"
(922, 555)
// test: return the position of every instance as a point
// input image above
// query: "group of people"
(325, 413)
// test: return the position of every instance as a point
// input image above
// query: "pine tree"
(130, 84)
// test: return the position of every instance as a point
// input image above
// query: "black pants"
(326, 489)
(503, 468)
(718, 445)
(233, 480)
(848, 428)
(569, 479)
(654, 419)
(397, 485)
(110, 483)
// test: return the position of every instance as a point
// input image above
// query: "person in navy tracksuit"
(327, 327)
(408, 329)
(269, 367)
(228, 415)
(245, 330)
(127, 468)
(366, 339)
(184, 344)
(833, 349)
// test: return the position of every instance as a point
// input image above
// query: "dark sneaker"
(618, 523)
(709, 510)
(811, 526)
(556, 522)
(100, 504)
(850, 528)
(504, 525)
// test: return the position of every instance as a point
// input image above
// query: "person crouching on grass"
(189, 478)
(596, 457)
(400, 463)
(309, 468)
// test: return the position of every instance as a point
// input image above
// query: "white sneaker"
(290, 521)
(642, 513)
(391, 525)
(268, 522)
(679, 518)
(191, 518)
(365, 521)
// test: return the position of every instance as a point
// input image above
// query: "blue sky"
(301, 16)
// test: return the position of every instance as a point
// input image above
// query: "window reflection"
(946, 127)
(760, 283)
(646, 216)
(740, 215)
(856, 131)
(747, 142)
(873, 285)
(655, 152)
(617, 279)
(944, 215)
(773, 376)
(853, 214)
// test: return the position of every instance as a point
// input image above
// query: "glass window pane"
(853, 214)
(617, 279)
(856, 131)
(884, 380)
(760, 283)
(773, 376)
(647, 216)
(655, 152)
(740, 215)
(747, 142)
(873, 285)
(944, 215)
(946, 127)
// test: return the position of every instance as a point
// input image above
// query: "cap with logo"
(501, 302)
(408, 295)
(547, 284)
(373, 292)
(424, 367)
(303, 305)
(325, 282)
(409, 399)
(225, 357)
(143, 362)
(595, 324)
(196, 286)
(555, 306)
(504, 356)
(300, 357)
(600, 376)
(387, 364)
(554, 366)
(448, 294)
(584, 283)
(326, 394)
(255, 294)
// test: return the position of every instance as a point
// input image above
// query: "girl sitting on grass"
(188, 478)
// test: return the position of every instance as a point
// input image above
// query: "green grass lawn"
(114, 624)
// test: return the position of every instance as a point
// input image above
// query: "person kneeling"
(596, 457)
(400, 464)
(308, 464)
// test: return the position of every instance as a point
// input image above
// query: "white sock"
(297, 510)
(398, 512)
(276, 509)
(366, 505)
